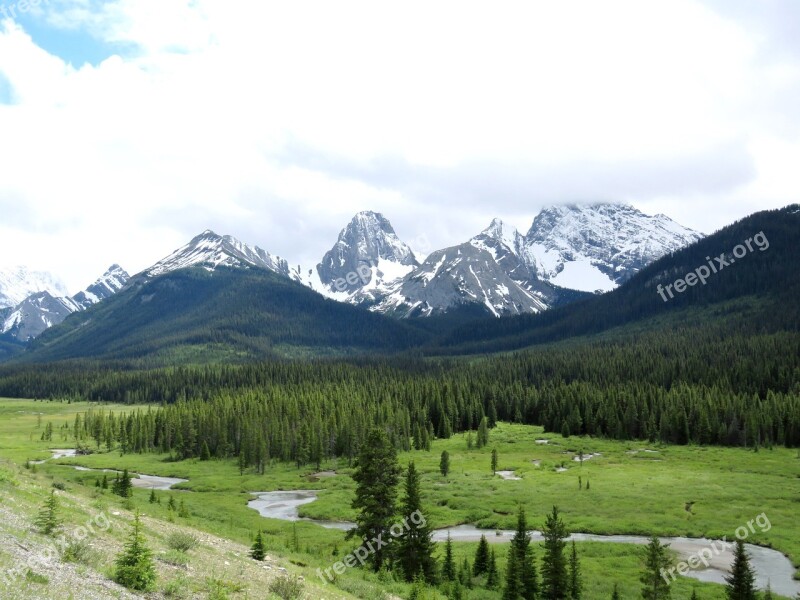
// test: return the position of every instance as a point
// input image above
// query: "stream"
(769, 565)
(137, 479)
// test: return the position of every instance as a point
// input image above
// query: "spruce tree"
(694, 594)
(183, 512)
(483, 433)
(171, 505)
(655, 560)
(768, 592)
(376, 475)
(48, 521)
(481, 564)
(492, 575)
(104, 484)
(555, 581)
(449, 565)
(465, 573)
(494, 461)
(741, 581)
(258, 550)
(205, 453)
(153, 499)
(513, 588)
(615, 593)
(134, 566)
(444, 463)
(415, 547)
(575, 584)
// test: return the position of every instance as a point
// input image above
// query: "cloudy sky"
(128, 126)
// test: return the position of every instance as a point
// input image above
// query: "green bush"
(79, 551)
(287, 587)
(182, 541)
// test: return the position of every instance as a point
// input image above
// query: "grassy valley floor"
(624, 488)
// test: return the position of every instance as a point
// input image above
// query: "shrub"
(287, 587)
(78, 551)
(182, 541)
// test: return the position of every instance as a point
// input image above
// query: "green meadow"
(624, 488)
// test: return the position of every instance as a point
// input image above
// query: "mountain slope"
(199, 315)
(598, 246)
(769, 276)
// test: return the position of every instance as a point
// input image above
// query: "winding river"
(770, 565)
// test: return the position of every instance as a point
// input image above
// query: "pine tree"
(481, 564)
(492, 575)
(656, 560)
(494, 461)
(513, 588)
(523, 558)
(575, 584)
(449, 565)
(376, 475)
(415, 548)
(153, 497)
(171, 505)
(104, 484)
(741, 581)
(48, 521)
(465, 573)
(205, 453)
(483, 433)
(555, 582)
(123, 485)
(444, 463)
(134, 566)
(258, 550)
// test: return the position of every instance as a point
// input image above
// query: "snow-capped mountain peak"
(108, 284)
(598, 246)
(500, 231)
(210, 250)
(17, 283)
(367, 257)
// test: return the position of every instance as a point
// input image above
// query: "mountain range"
(568, 253)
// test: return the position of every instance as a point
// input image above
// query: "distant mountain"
(209, 251)
(37, 313)
(366, 261)
(596, 247)
(112, 281)
(18, 283)
(42, 310)
(454, 277)
(761, 283)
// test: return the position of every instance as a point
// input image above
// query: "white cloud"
(456, 111)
